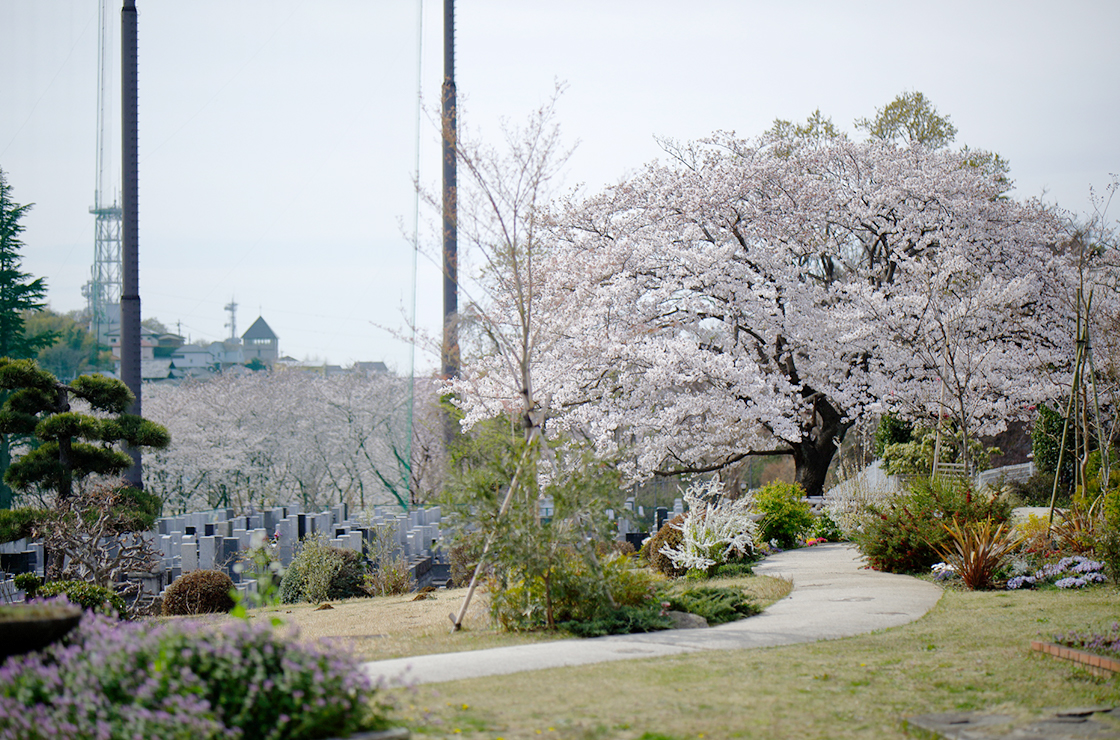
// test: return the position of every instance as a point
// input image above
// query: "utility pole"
(450, 199)
(130, 287)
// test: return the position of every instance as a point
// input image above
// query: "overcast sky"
(278, 138)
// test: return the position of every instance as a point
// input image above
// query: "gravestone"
(188, 548)
(207, 552)
(230, 546)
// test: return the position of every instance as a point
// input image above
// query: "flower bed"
(1076, 571)
(183, 680)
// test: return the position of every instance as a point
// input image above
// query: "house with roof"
(259, 342)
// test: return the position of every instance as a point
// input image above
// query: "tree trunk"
(813, 454)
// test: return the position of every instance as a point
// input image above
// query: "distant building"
(259, 342)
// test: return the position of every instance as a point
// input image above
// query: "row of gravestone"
(219, 539)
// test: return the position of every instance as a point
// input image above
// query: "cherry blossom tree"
(762, 296)
(290, 437)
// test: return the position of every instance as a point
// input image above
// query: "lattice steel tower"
(103, 291)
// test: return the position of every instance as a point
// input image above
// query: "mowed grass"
(971, 652)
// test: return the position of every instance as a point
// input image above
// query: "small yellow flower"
(456, 731)
(466, 706)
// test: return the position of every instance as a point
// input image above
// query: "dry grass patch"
(386, 627)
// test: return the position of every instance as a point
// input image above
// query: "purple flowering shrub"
(1076, 571)
(183, 680)
(1105, 643)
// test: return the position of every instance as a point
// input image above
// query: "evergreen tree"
(19, 294)
(71, 444)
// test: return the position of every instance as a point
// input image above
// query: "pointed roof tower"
(259, 330)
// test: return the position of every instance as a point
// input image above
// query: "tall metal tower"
(103, 291)
(231, 308)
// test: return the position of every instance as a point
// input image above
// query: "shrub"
(198, 592)
(670, 537)
(825, 527)
(29, 583)
(905, 534)
(1108, 550)
(786, 516)
(391, 574)
(463, 557)
(86, 595)
(15, 524)
(715, 530)
(715, 604)
(576, 593)
(977, 551)
(731, 570)
(183, 681)
(321, 573)
(389, 578)
(624, 620)
(892, 429)
(1037, 490)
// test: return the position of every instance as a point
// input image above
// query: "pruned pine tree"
(78, 427)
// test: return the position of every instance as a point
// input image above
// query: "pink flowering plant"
(184, 680)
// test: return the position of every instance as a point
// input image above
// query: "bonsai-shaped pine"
(71, 445)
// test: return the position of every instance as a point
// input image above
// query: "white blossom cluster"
(715, 528)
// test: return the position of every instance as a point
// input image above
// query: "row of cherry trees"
(761, 296)
(262, 439)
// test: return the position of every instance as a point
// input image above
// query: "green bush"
(624, 620)
(786, 516)
(825, 526)
(86, 595)
(15, 524)
(671, 536)
(321, 573)
(29, 583)
(905, 535)
(732, 570)
(1037, 489)
(1046, 443)
(198, 592)
(715, 604)
(892, 430)
(576, 592)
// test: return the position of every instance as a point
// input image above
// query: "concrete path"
(832, 597)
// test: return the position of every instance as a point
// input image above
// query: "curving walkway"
(832, 597)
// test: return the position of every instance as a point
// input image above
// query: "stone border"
(1097, 664)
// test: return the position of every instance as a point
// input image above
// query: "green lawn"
(971, 652)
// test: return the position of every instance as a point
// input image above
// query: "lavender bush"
(183, 680)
